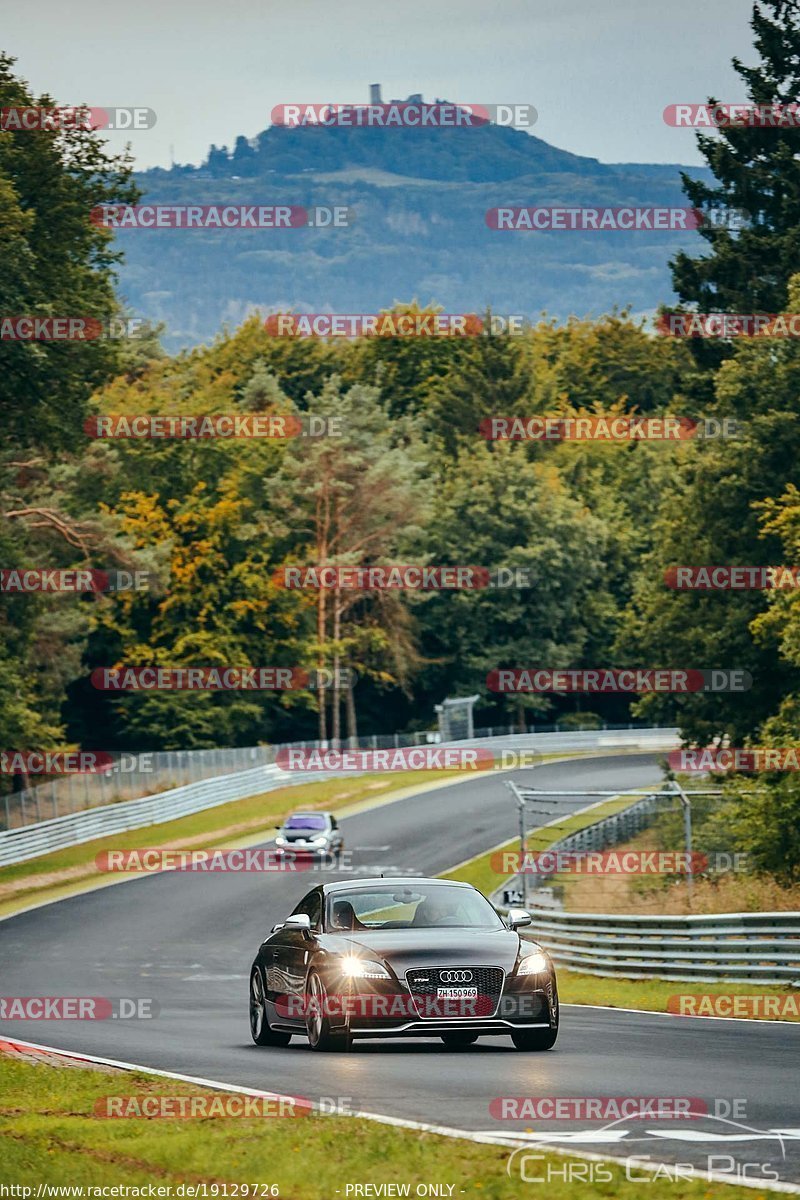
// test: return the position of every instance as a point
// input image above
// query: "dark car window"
(312, 906)
(306, 821)
(431, 906)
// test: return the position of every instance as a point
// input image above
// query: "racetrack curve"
(187, 940)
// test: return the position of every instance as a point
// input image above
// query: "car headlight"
(320, 841)
(363, 968)
(280, 841)
(533, 964)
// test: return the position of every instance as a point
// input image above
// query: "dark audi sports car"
(401, 957)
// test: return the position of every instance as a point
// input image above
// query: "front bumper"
(480, 1027)
(388, 1009)
(292, 850)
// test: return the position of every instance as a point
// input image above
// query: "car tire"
(541, 1039)
(456, 1041)
(535, 1039)
(318, 1027)
(260, 1030)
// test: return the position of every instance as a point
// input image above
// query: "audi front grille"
(424, 984)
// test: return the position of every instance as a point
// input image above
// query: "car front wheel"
(540, 1039)
(260, 1030)
(318, 1026)
(535, 1039)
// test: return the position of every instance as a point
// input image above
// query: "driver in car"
(438, 910)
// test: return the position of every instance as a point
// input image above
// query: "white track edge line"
(657, 1012)
(421, 1126)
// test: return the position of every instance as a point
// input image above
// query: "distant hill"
(420, 198)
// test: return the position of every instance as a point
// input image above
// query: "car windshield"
(427, 906)
(306, 821)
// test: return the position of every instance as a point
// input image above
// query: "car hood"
(405, 948)
(294, 835)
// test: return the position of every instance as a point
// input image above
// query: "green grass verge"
(575, 987)
(654, 994)
(51, 1136)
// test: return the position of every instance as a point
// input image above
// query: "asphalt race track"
(187, 940)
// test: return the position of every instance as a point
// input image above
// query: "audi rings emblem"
(455, 976)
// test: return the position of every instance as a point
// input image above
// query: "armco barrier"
(19, 845)
(135, 775)
(739, 947)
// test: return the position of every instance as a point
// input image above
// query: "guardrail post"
(687, 831)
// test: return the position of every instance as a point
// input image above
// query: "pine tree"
(489, 378)
(757, 170)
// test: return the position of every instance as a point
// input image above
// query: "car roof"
(307, 812)
(348, 885)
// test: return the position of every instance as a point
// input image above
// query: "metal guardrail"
(135, 775)
(132, 776)
(738, 947)
(19, 845)
(29, 841)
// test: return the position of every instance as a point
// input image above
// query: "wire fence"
(132, 776)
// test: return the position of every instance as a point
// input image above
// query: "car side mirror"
(299, 921)
(517, 917)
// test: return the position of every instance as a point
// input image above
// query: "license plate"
(457, 993)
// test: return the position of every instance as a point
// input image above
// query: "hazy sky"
(599, 74)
